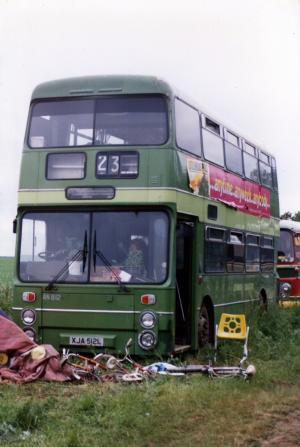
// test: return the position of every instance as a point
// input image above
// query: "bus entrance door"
(184, 239)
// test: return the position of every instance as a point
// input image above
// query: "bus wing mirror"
(14, 226)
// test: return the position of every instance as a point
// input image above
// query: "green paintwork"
(97, 85)
(162, 182)
(186, 203)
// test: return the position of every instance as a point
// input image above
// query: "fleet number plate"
(83, 340)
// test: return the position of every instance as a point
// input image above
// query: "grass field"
(6, 269)
(6, 275)
(182, 411)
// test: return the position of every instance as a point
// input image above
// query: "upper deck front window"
(103, 121)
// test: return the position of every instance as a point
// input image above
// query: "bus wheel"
(204, 329)
(263, 300)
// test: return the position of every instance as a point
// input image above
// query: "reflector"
(29, 297)
(148, 299)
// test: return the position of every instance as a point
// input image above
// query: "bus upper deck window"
(265, 172)
(187, 127)
(264, 157)
(211, 125)
(121, 120)
(61, 123)
(251, 167)
(233, 153)
(131, 120)
(231, 138)
(249, 148)
(212, 141)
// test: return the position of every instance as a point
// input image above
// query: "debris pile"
(23, 361)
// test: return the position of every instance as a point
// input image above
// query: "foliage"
(290, 216)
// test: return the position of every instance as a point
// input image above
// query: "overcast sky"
(238, 59)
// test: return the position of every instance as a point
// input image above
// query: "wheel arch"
(208, 303)
(263, 298)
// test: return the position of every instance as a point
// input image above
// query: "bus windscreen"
(97, 247)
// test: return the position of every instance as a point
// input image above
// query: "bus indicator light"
(148, 299)
(29, 297)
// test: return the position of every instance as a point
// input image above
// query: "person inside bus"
(135, 262)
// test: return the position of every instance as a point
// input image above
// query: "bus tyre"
(263, 301)
(204, 329)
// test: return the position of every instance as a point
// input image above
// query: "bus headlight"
(28, 316)
(147, 340)
(284, 290)
(30, 333)
(148, 320)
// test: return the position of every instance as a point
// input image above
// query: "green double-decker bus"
(139, 217)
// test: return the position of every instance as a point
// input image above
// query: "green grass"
(166, 411)
(6, 269)
(6, 275)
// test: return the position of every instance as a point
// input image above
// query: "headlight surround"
(284, 290)
(147, 340)
(28, 316)
(30, 333)
(148, 319)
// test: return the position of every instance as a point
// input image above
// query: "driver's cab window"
(129, 247)
(54, 247)
(33, 240)
(297, 246)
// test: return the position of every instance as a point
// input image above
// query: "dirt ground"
(286, 433)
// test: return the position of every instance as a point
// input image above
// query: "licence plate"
(86, 340)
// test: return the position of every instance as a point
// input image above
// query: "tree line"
(290, 216)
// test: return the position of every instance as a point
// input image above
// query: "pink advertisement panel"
(241, 194)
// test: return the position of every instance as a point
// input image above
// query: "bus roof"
(108, 84)
(290, 225)
(119, 84)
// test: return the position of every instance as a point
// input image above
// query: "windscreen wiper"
(80, 254)
(106, 264)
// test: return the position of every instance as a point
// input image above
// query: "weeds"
(6, 272)
(275, 333)
(19, 421)
(6, 298)
(170, 411)
(29, 415)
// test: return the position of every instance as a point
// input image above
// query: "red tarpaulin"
(23, 366)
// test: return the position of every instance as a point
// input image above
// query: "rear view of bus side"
(138, 217)
(288, 266)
